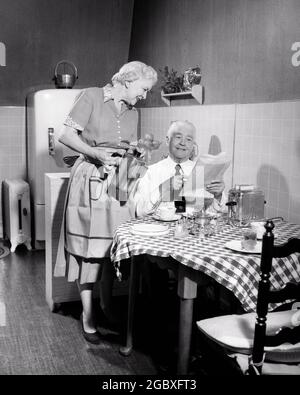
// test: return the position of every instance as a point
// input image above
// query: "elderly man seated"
(165, 179)
(160, 185)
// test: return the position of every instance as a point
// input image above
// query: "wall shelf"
(196, 92)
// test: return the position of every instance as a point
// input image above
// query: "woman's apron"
(91, 216)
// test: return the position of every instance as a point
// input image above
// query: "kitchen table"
(237, 271)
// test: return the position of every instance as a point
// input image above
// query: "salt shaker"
(201, 233)
(181, 229)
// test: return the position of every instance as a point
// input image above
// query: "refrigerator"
(46, 111)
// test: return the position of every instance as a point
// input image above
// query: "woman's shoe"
(93, 337)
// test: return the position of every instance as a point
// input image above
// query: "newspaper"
(207, 168)
(214, 166)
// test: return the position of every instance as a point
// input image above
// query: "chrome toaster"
(246, 203)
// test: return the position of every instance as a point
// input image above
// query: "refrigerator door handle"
(51, 142)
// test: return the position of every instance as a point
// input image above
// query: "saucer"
(236, 245)
(175, 217)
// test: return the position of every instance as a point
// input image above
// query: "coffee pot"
(63, 79)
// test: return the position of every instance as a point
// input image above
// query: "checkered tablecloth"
(238, 272)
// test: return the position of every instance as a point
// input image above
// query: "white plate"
(176, 217)
(236, 245)
(150, 228)
(147, 234)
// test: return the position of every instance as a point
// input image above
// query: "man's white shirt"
(147, 197)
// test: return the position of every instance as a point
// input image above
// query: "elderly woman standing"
(100, 120)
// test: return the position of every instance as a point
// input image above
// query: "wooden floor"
(33, 340)
(36, 341)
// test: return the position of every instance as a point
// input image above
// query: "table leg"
(187, 292)
(185, 335)
(133, 282)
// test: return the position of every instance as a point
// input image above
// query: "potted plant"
(172, 81)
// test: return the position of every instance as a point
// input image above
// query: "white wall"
(267, 153)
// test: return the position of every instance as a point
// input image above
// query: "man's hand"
(167, 188)
(178, 182)
(216, 188)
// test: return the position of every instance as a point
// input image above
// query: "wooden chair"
(263, 343)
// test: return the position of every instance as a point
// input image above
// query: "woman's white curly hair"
(133, 71)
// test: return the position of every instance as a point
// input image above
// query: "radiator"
(17, 219)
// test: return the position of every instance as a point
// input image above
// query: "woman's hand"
(70, 138)
(106, 158)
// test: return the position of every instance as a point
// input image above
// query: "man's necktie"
(179, 201)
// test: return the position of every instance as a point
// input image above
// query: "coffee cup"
(249, 239)
(166, 213)
(259, 228)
